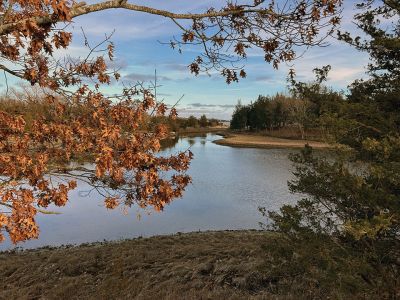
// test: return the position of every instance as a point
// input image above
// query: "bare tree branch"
(82, 9)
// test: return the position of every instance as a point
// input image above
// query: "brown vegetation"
(217, 265)
(202, 265)
(276, 30)
(293, 133)
(42, 135)
(202, 130)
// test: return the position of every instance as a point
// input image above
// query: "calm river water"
(229, 184)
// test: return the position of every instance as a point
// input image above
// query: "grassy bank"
(206, 265)
(262, 141)
(213, 265)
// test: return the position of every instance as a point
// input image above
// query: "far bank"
(263, 141)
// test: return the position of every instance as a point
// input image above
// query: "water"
(229, 184)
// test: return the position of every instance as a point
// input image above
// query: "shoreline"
(267, 142)
(20, 250)
(201, 130)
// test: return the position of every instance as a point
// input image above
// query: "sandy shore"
(258, 141)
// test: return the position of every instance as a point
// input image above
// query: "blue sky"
(139, 52)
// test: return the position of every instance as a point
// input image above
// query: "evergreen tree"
(192, 121)
(348, 223)
(203, 122)
(260, 114)
(239, 117)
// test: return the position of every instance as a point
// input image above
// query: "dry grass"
(213, 265)
(207, 265)
(201, 130)
(260, 141)
(293, 132)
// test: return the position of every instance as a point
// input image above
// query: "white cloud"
(344, 74)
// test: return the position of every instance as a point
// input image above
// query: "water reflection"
(191, 141)
(229, 184)
(169, 143)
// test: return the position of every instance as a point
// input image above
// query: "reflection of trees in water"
(191, 141)
(194, 135)
(169, 143)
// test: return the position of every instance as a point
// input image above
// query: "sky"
(139, 50)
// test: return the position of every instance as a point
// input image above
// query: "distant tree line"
(34, 103)
(298, 109)
(190, 122)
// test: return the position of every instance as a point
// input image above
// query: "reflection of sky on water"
(229, 184)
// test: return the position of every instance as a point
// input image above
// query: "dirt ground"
(260, 141)
(212, 265)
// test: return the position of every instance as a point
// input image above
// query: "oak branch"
(224, 35)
